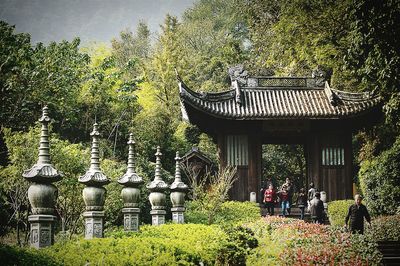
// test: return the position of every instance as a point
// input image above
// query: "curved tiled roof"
(294, 100)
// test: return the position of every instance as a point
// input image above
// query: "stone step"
(391, 261)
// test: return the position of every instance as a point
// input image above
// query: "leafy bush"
(230, 213)
(380, 183)
(11, 255)
(385, 228)
(170, 244)
(337, 211)
(294, 242)
(241, 241)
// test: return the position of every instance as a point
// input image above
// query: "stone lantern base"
(93, 224)
(131, 219)
(158, 217)
(42, 230)
(177, 215)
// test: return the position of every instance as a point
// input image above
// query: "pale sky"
(91, 20)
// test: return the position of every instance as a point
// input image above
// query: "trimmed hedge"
(169, 244)
(231, 213)
(337, 211)
(11, 255)
(285, 241)
(385, 228)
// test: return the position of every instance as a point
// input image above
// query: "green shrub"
(11, 255)
(294, 242)
(385, 228)
(231, 213)
(380, 182)
(337, 211)
(169, 244)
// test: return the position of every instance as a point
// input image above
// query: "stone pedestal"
(131, 219)
(177, 215)
(93, 224)
(157, 217)
(42, 230)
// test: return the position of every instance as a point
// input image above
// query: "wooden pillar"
(254, 175)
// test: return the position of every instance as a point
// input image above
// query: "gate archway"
(286, 110)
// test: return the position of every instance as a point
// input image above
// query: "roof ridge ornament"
(238, 92)
(321, 75)
(333, 98)
(238, 73)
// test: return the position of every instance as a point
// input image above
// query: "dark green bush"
(241, 241)
(10, 255)
(337, 211)
(380, 182)
(385, 228)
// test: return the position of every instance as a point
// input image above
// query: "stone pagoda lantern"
(157, 195)
(178, 192)
(41, 193)
(131, 192)
(94, 194)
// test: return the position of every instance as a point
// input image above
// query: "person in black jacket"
(356, 214)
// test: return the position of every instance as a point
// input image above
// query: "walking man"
(356, 214)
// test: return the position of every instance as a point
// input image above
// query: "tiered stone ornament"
(131, 192)
(94, 194)
(157, 195)
(178, 192)
(41, 193)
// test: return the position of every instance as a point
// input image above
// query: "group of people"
(285, 196)
(311, 200)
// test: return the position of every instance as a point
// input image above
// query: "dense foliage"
(11, 255)
(337, 211)
(385, 228)
(380, 183)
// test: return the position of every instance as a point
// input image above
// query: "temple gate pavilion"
(283, 110)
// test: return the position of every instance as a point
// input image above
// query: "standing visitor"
(269, 199)
(284, 197)
(311, 192)
(356, 214)
(317, 209)
(289, 187)
(302, 202)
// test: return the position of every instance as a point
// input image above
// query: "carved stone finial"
(158, 154)
(178, 185)
(131, 178)
(94, 176)
(43, 171)
(157, 184)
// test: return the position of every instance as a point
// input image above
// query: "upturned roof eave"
(372, 102)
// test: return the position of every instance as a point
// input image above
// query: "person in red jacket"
(269, 199)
